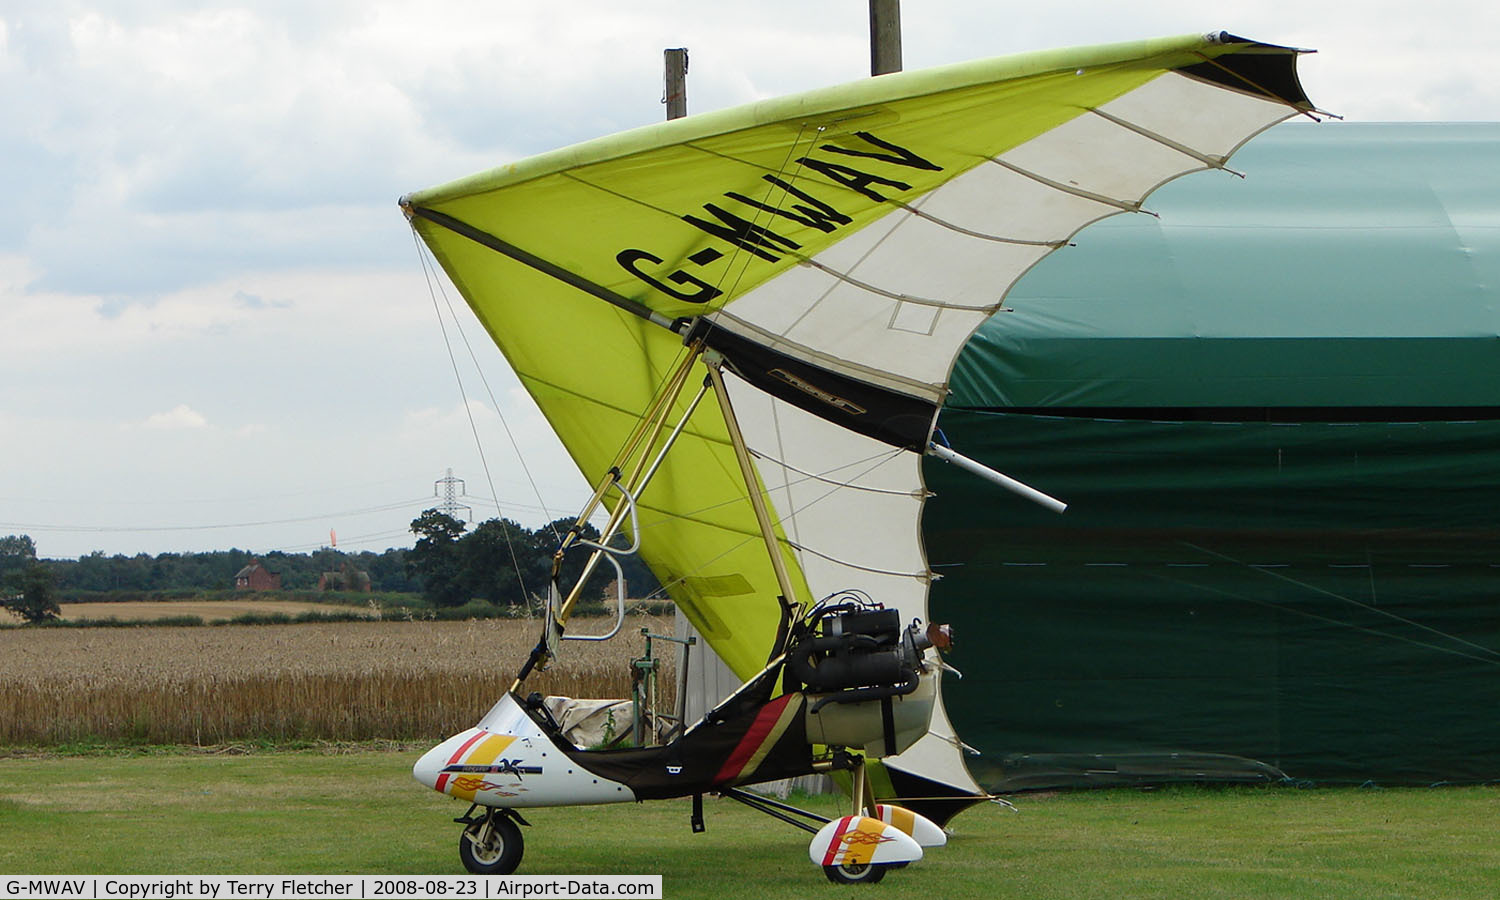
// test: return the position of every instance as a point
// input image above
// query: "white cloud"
(178, 417)
(184, 142)
(201, 231)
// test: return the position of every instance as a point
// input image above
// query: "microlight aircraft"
(741, 325)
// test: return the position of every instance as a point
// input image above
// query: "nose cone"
(429, 769)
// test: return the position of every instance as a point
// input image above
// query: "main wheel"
(491, 846)
(855, 873)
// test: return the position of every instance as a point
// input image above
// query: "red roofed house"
(256, 577)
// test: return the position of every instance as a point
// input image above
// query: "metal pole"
(885, 36)
(675, 93)
(752, 486)
(682, 682)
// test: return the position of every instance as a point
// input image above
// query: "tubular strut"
(775, 809)
(948, 454)
(546, 267)
(630, 485)
(633, 483)
(752, 489)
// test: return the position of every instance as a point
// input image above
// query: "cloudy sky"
(215, 329)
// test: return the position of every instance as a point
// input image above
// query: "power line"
(257, 497)
(415, 503)
(358, 540)
(107, 529)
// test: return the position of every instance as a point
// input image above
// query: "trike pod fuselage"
(509, 761)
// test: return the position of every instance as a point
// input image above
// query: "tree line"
(504, 563)
(499, 561)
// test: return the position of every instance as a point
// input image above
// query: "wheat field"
(344, 681)
(207, 610)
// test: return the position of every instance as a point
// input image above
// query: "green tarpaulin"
(1275, 412)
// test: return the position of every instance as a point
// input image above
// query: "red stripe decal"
(442, 781)
(765, 720)
(467, 744)
(834, 845)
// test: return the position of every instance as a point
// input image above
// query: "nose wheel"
(491, 845)
(855, 873)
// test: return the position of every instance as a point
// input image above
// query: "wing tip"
(1249, 66)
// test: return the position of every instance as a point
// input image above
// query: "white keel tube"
(947, 454)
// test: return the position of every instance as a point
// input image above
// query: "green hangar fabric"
(1273, 406)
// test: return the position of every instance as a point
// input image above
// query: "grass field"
(221, 810)
(278, 683)
(360, 812)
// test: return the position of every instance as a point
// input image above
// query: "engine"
(866, 678)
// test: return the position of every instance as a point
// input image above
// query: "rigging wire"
(1491, 655)
(874, 461)
(1282, 607)
(827, 479)
(738, 250)
(504, 423)
(463, 394)
(767, 211)
(762, 210)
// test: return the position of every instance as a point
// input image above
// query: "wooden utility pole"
(885, 36)
(675, 94)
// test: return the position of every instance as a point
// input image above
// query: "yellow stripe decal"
(789, 713)
(860, 843)
(485, 752)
